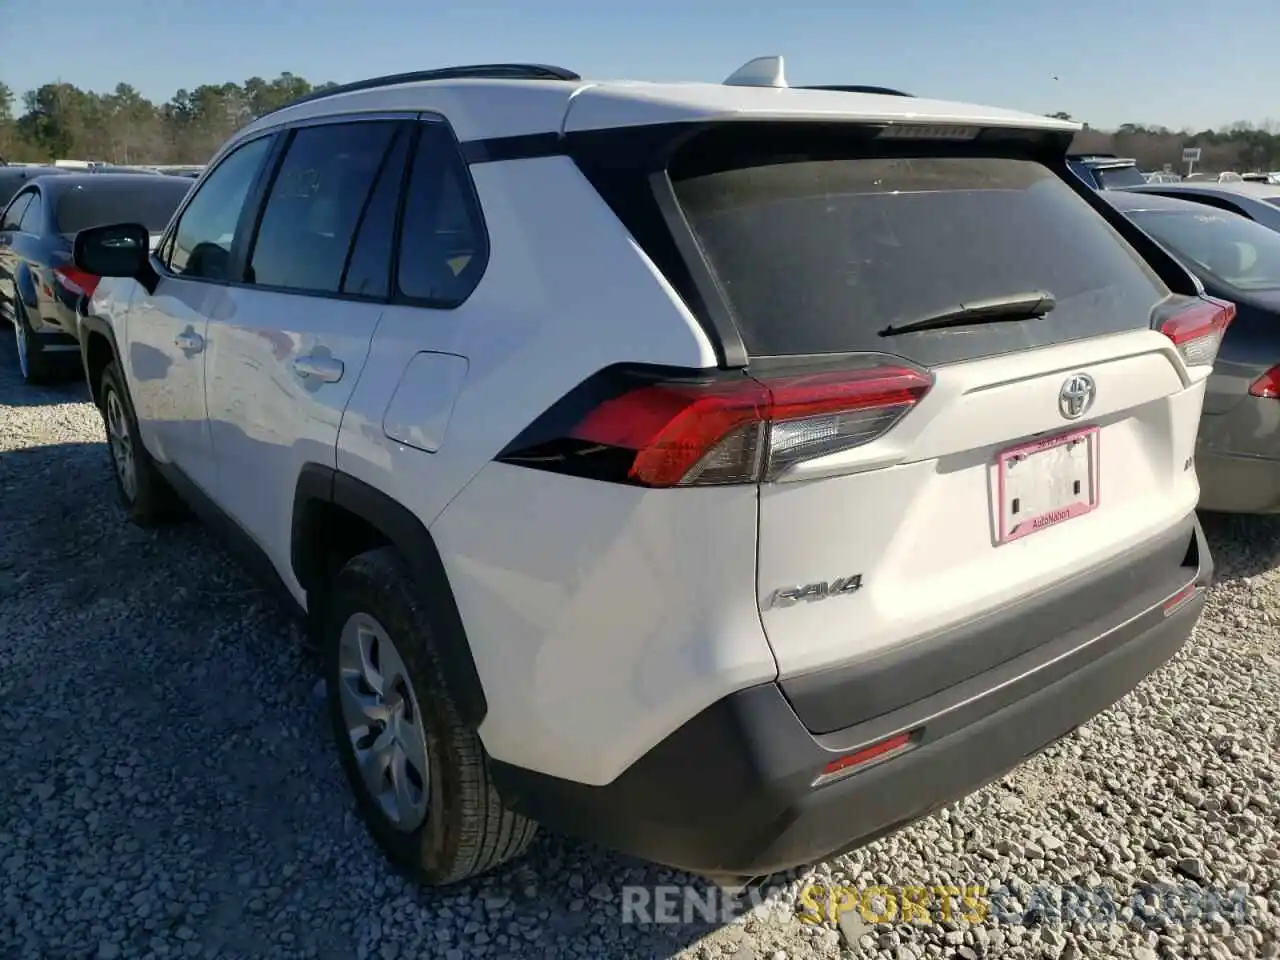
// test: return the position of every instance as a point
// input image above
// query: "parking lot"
(167, 786)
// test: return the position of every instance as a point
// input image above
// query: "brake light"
(1197, 332)
(76, 282)
(1267, 386)
(748, 430)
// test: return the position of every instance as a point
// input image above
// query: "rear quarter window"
(817, 257)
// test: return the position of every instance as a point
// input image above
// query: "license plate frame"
(1084, 478)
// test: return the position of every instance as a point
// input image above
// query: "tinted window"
(443, 245)
(10, 183)
(314, 204)
(33, 216)
(369, 270)
(149, 201)
(1274, 200)
(13, 216)
(1110, 177)
(1229, 248)
(818, 256)
(201, 244)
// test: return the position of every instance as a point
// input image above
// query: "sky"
(1175, 63)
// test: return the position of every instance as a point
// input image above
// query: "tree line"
(61, 121)
(1243, 147)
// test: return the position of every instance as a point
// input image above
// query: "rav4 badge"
(809, 592)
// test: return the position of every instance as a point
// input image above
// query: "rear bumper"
(730, 792)
(1238, 456)
(1238, 484)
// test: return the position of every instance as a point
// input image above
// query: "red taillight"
(743, 431)
(899, 743)
(1267, 386)
(1197, 332)
(76, 281)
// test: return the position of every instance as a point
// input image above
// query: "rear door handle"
(323, 369)
(189, 342)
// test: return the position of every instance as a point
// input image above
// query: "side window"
(33, 218)
(315, 203)
(13, 216)
(368, 271)
(443, 247)
(201, 246)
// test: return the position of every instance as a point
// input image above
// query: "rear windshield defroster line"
(817, 256)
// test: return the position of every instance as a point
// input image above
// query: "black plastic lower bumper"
(730, 792)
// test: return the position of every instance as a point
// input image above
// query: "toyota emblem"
(1076, 396)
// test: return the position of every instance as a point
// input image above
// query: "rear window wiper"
(1011, 308)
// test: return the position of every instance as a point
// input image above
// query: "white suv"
(727, 473)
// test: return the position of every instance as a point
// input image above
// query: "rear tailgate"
(817, 254)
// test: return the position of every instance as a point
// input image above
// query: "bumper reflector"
(1180, 599)
(850, 763)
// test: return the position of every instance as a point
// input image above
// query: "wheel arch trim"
(25, 285)
(89, 326)
(319, 486)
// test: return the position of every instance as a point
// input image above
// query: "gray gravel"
(167, 788)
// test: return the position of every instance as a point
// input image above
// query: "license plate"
(1046, 482)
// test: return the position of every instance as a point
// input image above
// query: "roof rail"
(479, 71)
(858, 88)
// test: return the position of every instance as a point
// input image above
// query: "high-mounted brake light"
(748, 430)
(1197, 332)
(1267, 386)
(74, 281)
(928, 131)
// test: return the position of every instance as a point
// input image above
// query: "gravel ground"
(167, 788)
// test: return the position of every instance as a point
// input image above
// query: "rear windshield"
(11, 181)
(1225, 246)
(1112, 177)
(149, 201)
(817, 257)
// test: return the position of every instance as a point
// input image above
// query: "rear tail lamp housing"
(1267, 386)
(1197, 332)
(744, 429)
(75, 281)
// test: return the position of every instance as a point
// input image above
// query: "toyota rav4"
(726, 473)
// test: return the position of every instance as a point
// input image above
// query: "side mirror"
(118, 250)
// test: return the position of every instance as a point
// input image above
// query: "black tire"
(38, 368)
(153, 502)
(467, 829)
